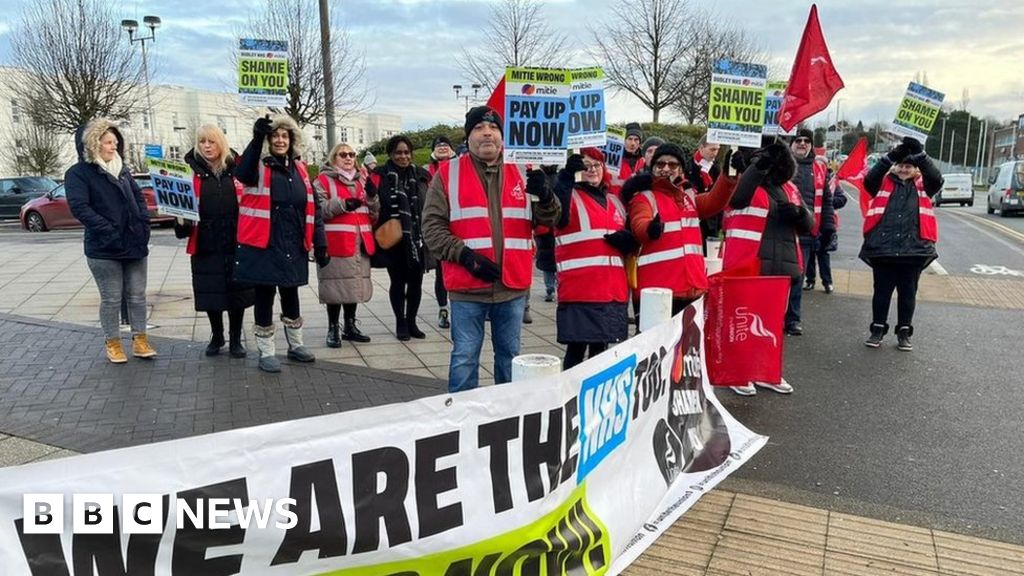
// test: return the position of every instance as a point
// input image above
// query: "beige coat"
(344, 280)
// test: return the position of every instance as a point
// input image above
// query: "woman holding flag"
(212, 240)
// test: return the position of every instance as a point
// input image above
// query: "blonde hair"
(334, 152)
(216, 135)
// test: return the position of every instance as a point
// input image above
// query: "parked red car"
(51, 211)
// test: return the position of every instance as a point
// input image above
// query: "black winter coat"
(779, 251)
(804, 181)
(285, 261)
(112, 210)
(213, 264)
(407, 207)
(897, 236)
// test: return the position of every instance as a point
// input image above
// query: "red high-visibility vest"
(343, 229)
(744, 228)
(590, 269)
(928, 228)
(820, 173)
(254, 210)
(470, 220)
(676, 259)
(193, 236)
(625, 172)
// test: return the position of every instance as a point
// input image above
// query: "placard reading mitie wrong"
(917, 112)
(263, 72)
(536, 115)
(172, 187)
(587, 118)
(614, 148)
(736, 107)
(774, 93)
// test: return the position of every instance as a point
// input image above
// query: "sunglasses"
(346, 154)
(803, 141)
(667, 165)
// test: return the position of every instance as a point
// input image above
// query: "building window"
(222, 124)
(174, 120)
(343, 134)
(145, 120)
(15, 111)
(174, 153)
(360, 135)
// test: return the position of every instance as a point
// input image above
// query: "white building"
(177, 113)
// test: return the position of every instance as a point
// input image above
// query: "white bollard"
(527, 366)
(655, 307)
(713, 265)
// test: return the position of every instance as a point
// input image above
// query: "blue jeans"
(468, 338)
(117, 279)
(549, 282)
(796, 292)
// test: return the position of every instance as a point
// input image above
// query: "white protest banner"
(774, 93)
(587, 122)
(614, 148)
(571, 474)
(263, 72)
(917, 113)
(536, 115)
(736, 105)
(172, 187)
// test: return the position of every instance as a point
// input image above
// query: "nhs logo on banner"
(604, 413)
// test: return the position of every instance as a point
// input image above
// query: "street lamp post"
(476, 92)
(131, 26)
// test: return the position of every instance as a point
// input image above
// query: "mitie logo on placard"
(604, 413)
(146, 513)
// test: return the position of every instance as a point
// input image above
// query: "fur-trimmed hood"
(87, 139)
(289, 124)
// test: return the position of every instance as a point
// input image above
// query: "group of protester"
(603, 235)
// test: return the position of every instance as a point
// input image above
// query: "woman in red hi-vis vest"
(900, 233)
(591, 240)
(665, 216)
(279, 225)
(212, 240)
(349, 213)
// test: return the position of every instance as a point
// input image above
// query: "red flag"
(743, 329)
(497, 100)
(853, 170)
(813, 81)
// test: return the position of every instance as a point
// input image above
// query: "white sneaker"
(747, 390)
(782, 387)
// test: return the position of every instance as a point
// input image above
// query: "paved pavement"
(48, 410)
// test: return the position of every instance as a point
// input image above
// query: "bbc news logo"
(145, 514)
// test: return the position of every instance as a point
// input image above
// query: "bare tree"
(515, 35)
(643, 46)
(79, 67)
(711, 43)
(35, 151)
(297, 21)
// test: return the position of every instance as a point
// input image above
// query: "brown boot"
(115, 351)
(141, 347)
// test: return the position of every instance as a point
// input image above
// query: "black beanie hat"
(482, 114)
(440, 140)
(669, 149)
(633, 129)
(805, 133)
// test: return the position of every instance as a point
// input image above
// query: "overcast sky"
(410, 48)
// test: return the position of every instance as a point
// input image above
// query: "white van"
(958, 189)
(1006, 189)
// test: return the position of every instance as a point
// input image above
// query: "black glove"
(575, 164)
(549, 169)
(634, 185)
(262, 128)
(913, 146)
(623, 241)
(352, 204)
(321, 256)
(655, 227)
(738, 161)
(789, 212)
(768, 156)
(898, 154)
(536, 185)
(479, 266)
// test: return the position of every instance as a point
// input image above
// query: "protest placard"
(736, 108)
(917, 112)
(576, 473)
(536, 115)
(263, 72)
(614, 148)
(172, 187)
(587, 121)
(774, 93)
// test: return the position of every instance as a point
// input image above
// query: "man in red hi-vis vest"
(900, 233)
(478, 219)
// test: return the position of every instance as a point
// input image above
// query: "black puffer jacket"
(402, 193)
(897, 235)
(213, 263)
(804, 181)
